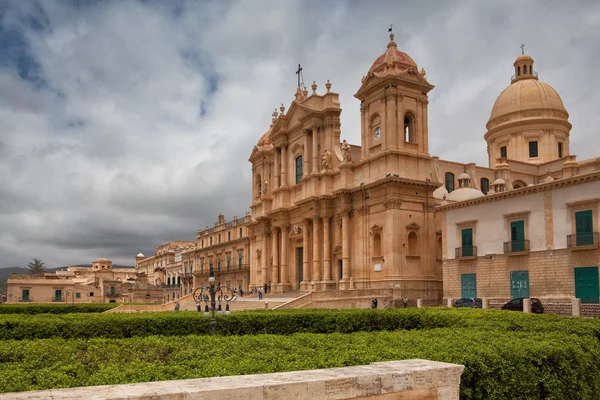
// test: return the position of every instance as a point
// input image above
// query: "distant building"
(99, 283)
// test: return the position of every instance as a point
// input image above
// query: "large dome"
(526, 94)
(526, 97)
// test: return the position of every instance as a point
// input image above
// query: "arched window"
(485, 185)
(449, 182)
(409, 129)
(298, 169)
(413, 244)
(518, 71)
(377, 245)
(531, 70)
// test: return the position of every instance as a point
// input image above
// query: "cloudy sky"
(126, 124)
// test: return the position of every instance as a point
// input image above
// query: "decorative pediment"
(376, 229)
(297, 148)
(413, 226)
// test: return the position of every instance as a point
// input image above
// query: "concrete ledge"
(393, 380)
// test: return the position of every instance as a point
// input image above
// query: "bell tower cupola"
(393, 98)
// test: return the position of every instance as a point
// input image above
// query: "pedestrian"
(176, 306)
(266, 287)
(260, 294)
(374, 303)
(405, 301)
(241, 292)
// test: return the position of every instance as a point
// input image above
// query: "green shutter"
(467, 242)
(586, 284)
(468, 285)
(517, 236)
(519, 284)
(584, 228)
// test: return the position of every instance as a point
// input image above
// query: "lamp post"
(212, 294)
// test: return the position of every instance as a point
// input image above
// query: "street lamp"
(212, 294)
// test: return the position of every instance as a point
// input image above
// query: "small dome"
(523, 58)
(392, 59)
(464, 176)
(499, 181)
(140, 255)
(463, 194)
(265, 142)
(440, 192)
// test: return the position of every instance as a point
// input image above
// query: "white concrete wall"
(492, 229)
(561, 213)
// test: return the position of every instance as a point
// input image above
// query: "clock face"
(377, 133)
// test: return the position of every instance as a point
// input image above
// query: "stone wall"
(398, 380)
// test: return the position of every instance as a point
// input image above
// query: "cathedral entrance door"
(299, 262)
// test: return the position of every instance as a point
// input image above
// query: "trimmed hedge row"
(55, 308)
(21, 327)
(499, 365)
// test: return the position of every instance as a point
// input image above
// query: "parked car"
(517, 305)
(472, 302)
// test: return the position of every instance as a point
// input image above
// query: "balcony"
(516, 247)
(583, 241)
(466, 253)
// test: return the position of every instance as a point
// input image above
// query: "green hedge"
(499, 365)
(117, 326)
(55, 308)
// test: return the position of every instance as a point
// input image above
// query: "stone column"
(305, 159)
(326, 250)
(277, 182)
(285, 229)
(315, 151)
(284, 164)
(346, 244)
(316, 274)
(275, 247)
(265, 258)
(305, 267)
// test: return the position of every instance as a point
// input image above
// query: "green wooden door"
(57, 295)
(517, 236)
(519, 284)
(586, 284)
(112, 290)
(584, 228)
(25, 295)
(467, 242)
(468, 284)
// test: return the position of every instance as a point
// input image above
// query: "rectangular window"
(91, 294)
(241, 233)
(533, 149)
(298, 169)
(517, 236)
(202, 243)
(560, 150)
(240, 259)
(211, 241)
(228, 261)
(25, 295)
(584, 228)
(219, 237)
(467, 242)
(77, 295)
(58, 294)
(229, 236)
(503, 153)
(112, 290)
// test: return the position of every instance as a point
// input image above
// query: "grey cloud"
(137, 120)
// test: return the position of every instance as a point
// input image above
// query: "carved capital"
(363, 210)
(390, 97)
(345, 212)
(392, 203)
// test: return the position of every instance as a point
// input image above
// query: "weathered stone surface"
(406, 380)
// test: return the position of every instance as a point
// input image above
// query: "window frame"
(446, 175)
(486, 186)
(535, 150)
(299, 168)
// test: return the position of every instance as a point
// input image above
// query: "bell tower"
(394, 101)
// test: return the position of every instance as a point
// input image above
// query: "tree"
(36, 267)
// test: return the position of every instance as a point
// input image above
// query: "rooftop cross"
(298, 73)
(522, 48)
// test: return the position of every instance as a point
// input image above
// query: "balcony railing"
(113, 295)
(588, 239)
(516, 246)
(466, 252)
(232, 268)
